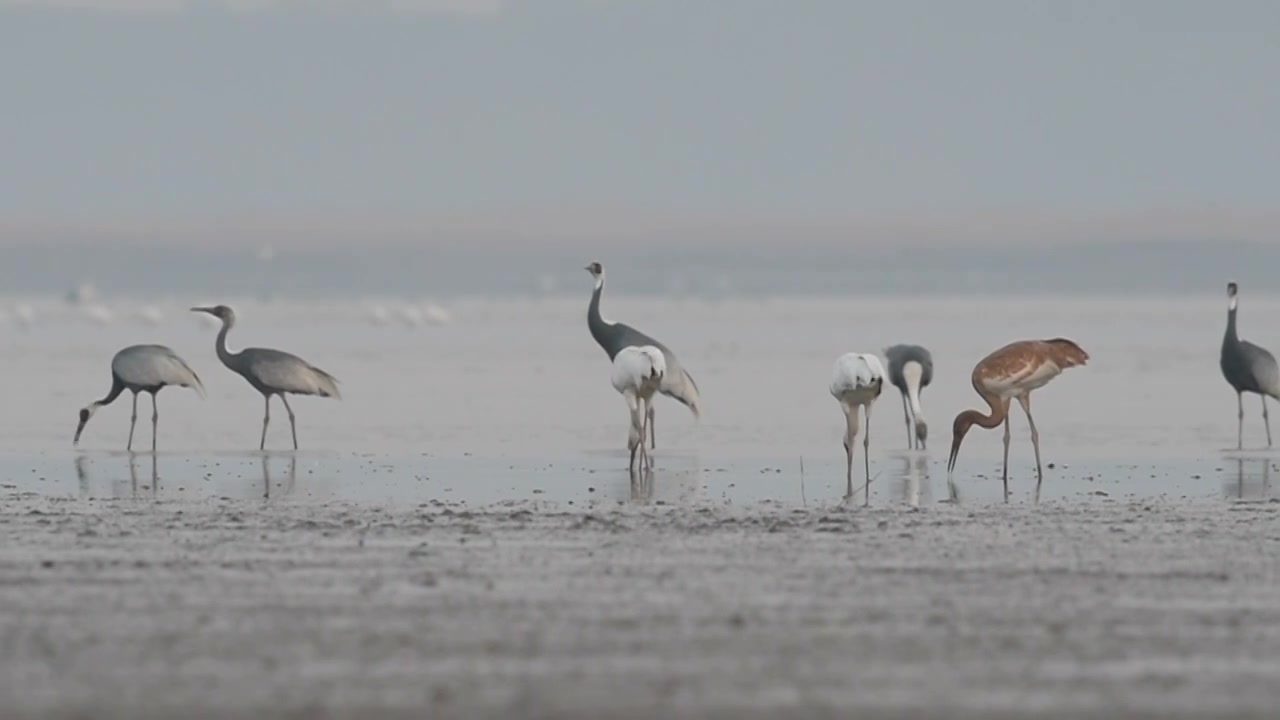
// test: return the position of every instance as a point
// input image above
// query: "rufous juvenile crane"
(1011, 372)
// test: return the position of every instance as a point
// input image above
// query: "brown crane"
(1011, 372)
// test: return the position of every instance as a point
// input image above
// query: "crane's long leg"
(155, 420)
(293, 428)
(266, 418)
(906, 415)
(1005, 474)
(133, 420)
(646, 419)
(850, 434)
(1025, 401)
(1266, 421)
(866, 458)
(653, 429)
(635, 432)
(1239, 420)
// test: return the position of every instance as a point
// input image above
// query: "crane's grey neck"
(1231, 322)
(227, 357)
(117, 387)
(596, 322)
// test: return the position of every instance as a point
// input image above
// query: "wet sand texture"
(1101, 608)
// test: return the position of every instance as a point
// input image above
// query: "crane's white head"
(597, 272)
(922, 432)
(222, 312)
(1231, 295)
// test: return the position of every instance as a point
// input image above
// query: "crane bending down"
(857, 381)
(1248, 368)
(271, 372)
(637, 374)
(911, 371)
(613, 337)
(142, 368)
(1011, 372)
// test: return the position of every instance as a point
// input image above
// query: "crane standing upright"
(142, 368)
(911, 371)
(613, 337)
(271, 372)
(856, 382)
(1248, 368)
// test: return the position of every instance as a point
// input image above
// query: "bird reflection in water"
(288, 484)
(133, 476)
(641, 485)
(1255, 484)
(914, 477)
(86, 482)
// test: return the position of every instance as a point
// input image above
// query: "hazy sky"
(610, 121)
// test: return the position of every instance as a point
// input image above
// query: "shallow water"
(510, 400)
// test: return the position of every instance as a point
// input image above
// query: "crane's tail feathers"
(680, 385)
(327, 384)
(1066, 353)
(194, 382)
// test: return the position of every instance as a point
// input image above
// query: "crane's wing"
(283, 372)
(856, 371)
(899, 355)
(634, 366)
(154, 366)
(677, 383)
(1262, 364)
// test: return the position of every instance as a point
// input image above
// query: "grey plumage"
(897, 359)
(271, 372)
(142, 368)
(612, 337)
(1247, 368)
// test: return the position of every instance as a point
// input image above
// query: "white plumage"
(856, 381)
(143, 368)
(637, 374)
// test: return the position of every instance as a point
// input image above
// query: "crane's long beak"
(955, 452)
(203, 310)
(84, 420)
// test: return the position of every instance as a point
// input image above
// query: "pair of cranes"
(150, 368)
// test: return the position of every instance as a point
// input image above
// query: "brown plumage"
(1011, 372)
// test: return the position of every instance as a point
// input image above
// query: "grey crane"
(142, 368)
(911, 371)
(271, 372)
(613, 337)
(1248, 368)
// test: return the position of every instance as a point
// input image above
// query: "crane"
(142, 368)
(911, 371)
(856, 382)
(1011, 372)
(271, 372)
(637, 374)
(1247, 368)
(613, 337)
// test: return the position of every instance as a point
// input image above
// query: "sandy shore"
(115, 609)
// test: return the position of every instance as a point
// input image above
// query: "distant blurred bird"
(271, 372)
(911, 371)
(857, 381)
(613, 337)
(1248, 368)
(1011, 372)
(142, 368)
(637, 374)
